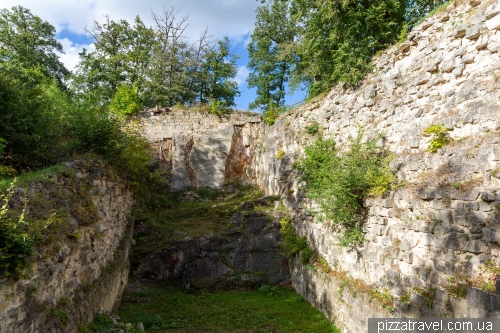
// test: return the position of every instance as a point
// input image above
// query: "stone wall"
(199, 149)
(86, 268)
(444, 220)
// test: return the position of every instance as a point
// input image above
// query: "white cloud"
(70, 58)
(242, 74)
(232, 18)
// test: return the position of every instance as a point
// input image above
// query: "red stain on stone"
(238, 159)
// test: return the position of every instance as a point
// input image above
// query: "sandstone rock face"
(74, 277)
(445, 220)
(243, 258)
(201, 149)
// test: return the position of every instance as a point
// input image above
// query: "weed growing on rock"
(340, 180)
(293, 244)
(280, 154)
(428, 294)
(313, 128)
(439, 137)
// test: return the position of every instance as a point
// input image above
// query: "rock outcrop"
(86, 267)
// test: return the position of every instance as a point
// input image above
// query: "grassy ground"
(31, 176)
(168, 309)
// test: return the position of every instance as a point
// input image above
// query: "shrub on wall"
(340, 179)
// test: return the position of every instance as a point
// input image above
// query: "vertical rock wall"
(82, 271)
(203, 149)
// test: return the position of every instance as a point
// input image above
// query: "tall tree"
(217, 71)
(270, 61)
(340, 37)
(121, 57)
(27, 40)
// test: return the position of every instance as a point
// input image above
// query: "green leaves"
(30, 42)
(126, 101)
(439, 137)
(340, 180)
(269, 60)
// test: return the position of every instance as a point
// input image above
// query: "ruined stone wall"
(199, 149)
(82, 271)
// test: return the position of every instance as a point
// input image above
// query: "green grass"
(167, 309)
(32, 176)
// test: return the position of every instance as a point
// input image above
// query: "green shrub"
(102, 323)
(18, 238)
(340, 180)
(216, 107)
(126, 101)
(292, 244)
(439, 137)
(313, 128)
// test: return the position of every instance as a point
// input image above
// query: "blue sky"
(232, 18)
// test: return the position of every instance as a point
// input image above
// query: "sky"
(231, 18)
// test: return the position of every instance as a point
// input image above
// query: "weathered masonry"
(447, 72)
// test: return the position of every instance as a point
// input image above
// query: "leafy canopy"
(30, 42)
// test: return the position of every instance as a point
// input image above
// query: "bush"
(126, 101)
(313, 128)
(340, 180)
(439, 137)
(29, 122)
(18, 238)
(216, 107)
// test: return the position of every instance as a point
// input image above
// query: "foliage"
(60, 310)
(18, 237)
(439, 137)
(313, 128)
(31, 43)
(270, 115)
(293, 244)
(428, 294)
(270, 64)
(162, 64)
(5, 170)
(102, 323)
(216, 73)
(216, 107)
(316, 44)
(126, 101)
(340, 37)
(29, 121)
(340, 180)
(280, 154)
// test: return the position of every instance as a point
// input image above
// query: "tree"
(269, 60)
(30, 42)
(340, 37)
(122, 56)
(217, 72)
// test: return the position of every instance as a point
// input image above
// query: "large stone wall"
(82, 271)
(199, 149)
(444, 220)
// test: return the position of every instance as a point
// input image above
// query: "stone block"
(493, 23)
(450, 64)
(476, 246)
(474, 31)
(407, 257)
(452, 242)
(491, 235)
(468, 58)
(423, 78)
(445, 216)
